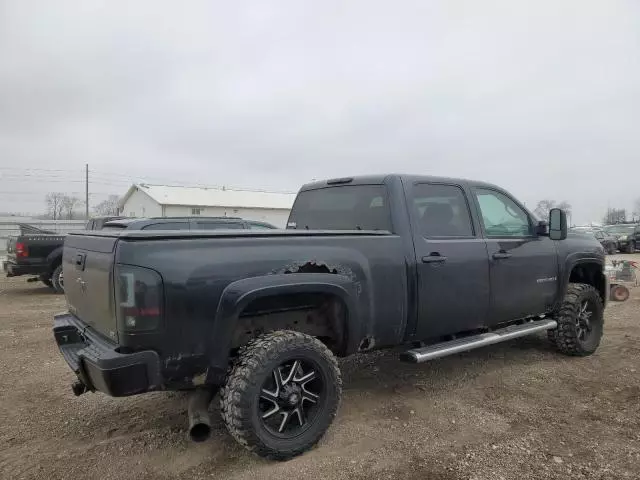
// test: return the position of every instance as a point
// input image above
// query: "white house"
(143, 200)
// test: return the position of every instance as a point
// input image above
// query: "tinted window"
(348, 207)
(442, 211)
(501, 216)
(113, 226)
(260, 226)
(167, 226)
(219, 226)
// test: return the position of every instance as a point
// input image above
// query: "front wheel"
(57, 280)
(631, 248)
(580, 321)
(282, 394)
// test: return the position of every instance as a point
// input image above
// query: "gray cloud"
(539, 97)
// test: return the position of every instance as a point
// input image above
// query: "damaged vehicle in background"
(609, 242)
(437, 265)
(627, 234)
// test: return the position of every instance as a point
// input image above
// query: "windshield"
(620, 229)
(348, 207)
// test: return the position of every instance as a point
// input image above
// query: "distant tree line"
(613, 215)
(544, 207)
(61, 206)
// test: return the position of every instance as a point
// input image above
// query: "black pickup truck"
(434, 266)
(38, 253)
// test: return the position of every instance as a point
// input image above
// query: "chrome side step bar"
(430, 352)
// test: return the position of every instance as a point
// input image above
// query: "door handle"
(501, 255)
(79, 261)
(434, 257)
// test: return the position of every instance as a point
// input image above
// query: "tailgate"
(88, 281)
(11, 248)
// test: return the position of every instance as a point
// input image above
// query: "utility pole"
(86, 191)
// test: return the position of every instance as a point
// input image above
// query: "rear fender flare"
(239, 294)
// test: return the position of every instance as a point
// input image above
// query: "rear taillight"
(139, 299)
(21, 250)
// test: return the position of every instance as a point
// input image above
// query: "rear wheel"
(281, 395)
(631, 248)
(580, 321)
(611, 249)
(57, 280)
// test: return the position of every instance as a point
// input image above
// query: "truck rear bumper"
(99, 365)
(15, 269)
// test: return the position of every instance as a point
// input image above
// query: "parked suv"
(628, 236)
(187, 223)
(436, 265)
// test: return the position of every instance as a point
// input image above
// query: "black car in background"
(627, 234)
(609, 242)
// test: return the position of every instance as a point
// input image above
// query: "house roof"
(212, 197)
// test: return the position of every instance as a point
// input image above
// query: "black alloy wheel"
(289, 398)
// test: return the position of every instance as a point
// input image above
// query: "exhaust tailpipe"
(78, 388)
(199, 419)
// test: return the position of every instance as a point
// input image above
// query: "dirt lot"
(514, 411)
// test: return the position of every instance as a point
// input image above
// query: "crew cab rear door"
(523, 266)
(452, 262)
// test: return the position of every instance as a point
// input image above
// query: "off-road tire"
(565, 336)
(256, 362)
(57, 280)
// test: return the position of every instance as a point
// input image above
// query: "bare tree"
(108, 206)
(69, 204)
(55, 204)
(544, 207)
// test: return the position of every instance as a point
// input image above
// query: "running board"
(430, 352)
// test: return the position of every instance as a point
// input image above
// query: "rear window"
(260, 226)
(167, 226)
(114, 226)
(347, 207)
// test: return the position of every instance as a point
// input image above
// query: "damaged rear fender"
(238, 295)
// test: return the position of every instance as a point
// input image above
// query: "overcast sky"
(541, 97)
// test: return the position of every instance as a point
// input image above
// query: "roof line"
(214, 187)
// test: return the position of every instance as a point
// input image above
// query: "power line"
(100, 177)
(25, 169)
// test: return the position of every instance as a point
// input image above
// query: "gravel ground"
(513, 411)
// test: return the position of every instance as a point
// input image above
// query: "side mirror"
(557, 224)
(542, 228)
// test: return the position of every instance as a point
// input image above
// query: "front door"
(453, 267)
(523, 266)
